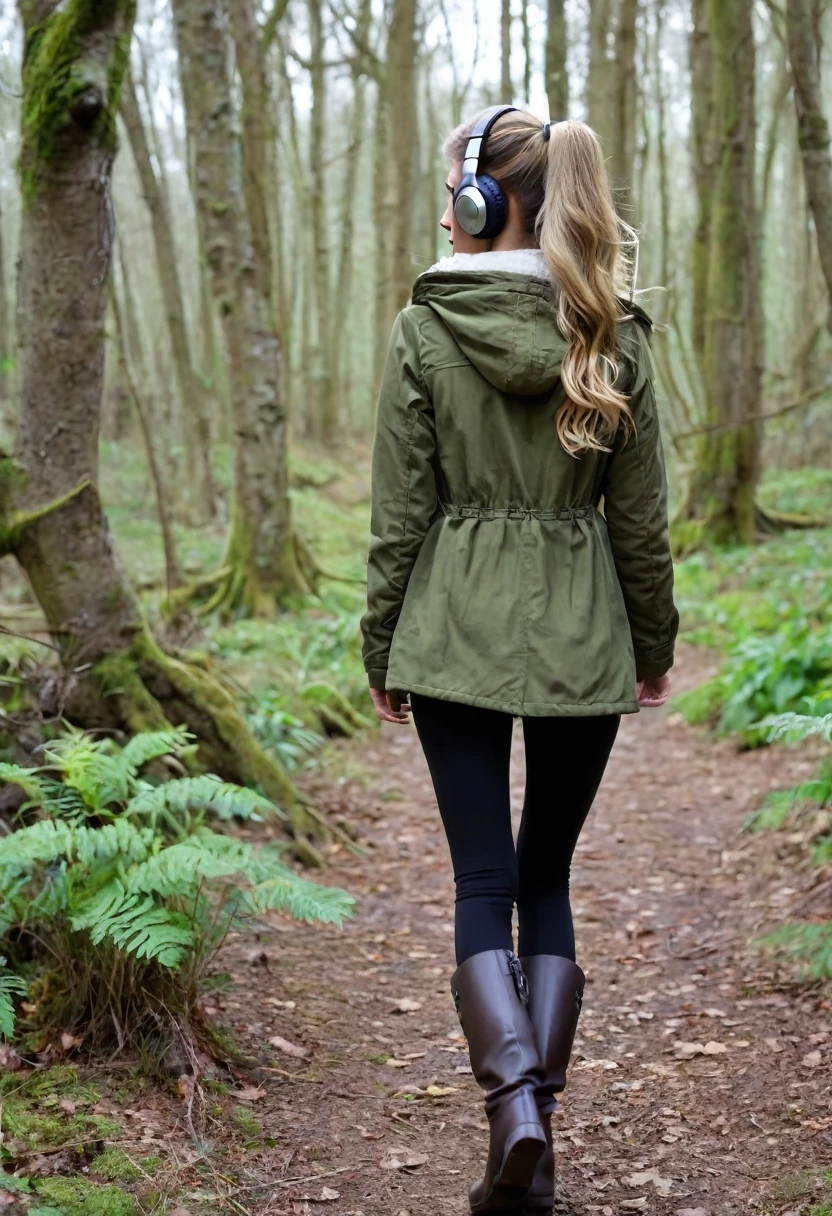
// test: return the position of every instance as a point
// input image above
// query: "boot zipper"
(519, 977)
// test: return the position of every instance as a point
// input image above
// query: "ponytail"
(579, 234)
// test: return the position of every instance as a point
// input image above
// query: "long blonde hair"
(562, 187)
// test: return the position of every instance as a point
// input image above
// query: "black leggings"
(468, 751)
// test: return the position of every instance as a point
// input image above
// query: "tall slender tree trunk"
(343, 285)
(527, 52)
(506, 87)
(665, 269)
(598, 91)
(433, 208)
(402, 71)
(813, 128)
(261, 562)
(704, 156)
(720, 504)
(6, 412)
(258, 142)
(385, 218)
(782, 87)
(193, 398)
(557, 78)
(322, 403)
(625, 102)
(130, 356)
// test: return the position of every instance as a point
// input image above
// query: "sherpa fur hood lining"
(529, 262)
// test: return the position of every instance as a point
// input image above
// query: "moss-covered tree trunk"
(262, 560)
(193, 396)
(813, 128)
(51, 517)
(720, 501)
(703, 153)
(557, 78)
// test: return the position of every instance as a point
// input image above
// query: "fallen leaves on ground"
(288, 1049)
(406, 1004)
(403, 1159)
(662, 1185)
(686, 1051)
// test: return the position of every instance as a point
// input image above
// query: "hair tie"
(547, 130)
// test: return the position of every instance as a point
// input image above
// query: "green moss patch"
(114, 1165)
(48, 1109)
(80, 1197)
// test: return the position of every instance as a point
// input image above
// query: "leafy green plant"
(809, 942)
(11, 985)
(764, 676)
(284, 733)
(125, 887)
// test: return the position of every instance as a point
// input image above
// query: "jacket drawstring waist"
(518, 513)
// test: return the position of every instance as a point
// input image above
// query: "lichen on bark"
(68, 86)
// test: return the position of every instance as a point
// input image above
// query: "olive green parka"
(502, 571)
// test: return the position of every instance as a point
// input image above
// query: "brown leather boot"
(556, 989)
(490, 993)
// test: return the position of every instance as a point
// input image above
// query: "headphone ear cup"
(496, 207)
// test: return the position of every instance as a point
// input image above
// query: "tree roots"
(146, 689)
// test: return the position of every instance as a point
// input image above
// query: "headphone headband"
(478, 136)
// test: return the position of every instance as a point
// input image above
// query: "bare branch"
(719, 428)
(272, 22)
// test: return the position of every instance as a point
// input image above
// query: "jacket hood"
(500, 308)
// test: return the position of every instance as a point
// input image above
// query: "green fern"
(125, 883)
(136, 924)
(10, 987)
(150, 745)
(301, 899)
(88, 766)
(794, 728)
(49, 841)
(180, 868)
(26, 778)
(203, 794)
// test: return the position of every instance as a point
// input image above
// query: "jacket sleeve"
(635, 507)
(403, 491)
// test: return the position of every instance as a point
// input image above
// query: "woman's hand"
(389, 706)
(653, 693)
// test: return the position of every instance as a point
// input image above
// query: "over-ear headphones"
(480, 207)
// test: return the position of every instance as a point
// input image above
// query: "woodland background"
(210, 212)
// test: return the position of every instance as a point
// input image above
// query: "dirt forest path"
(382, 1118)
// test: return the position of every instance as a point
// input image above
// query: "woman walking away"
(519, 567)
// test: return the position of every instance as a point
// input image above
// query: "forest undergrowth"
(79, 1137)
